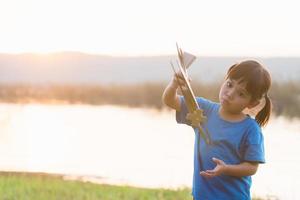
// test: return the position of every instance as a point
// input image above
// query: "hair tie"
(266, 95)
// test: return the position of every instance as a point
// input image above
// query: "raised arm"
(170, 96)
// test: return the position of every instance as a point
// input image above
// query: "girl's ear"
(254, 107)
(252, 104)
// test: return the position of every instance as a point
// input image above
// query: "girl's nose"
(230, 94)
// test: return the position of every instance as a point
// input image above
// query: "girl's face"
(233, 96)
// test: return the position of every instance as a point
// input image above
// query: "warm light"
(137, 27)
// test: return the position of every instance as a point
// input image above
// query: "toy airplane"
(195, 115)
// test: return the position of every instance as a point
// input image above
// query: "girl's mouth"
(224, 101)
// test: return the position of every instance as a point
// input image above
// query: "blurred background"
(81, 85)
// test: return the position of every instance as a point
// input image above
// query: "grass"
(40, 186)
(28, 186)
(285, 95)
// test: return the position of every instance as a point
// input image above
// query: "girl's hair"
(258, 82)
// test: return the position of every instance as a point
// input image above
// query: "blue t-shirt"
(232, 142)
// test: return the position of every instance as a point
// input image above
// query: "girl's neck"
(231, 117)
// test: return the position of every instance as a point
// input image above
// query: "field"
(28, 186)
(39, 186)
(285, 95)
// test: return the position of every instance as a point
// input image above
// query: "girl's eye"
(229, 84)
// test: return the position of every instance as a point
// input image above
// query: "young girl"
(223, 167)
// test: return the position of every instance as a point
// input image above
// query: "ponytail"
(263, 116)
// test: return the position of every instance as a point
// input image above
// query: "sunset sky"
(151, 27)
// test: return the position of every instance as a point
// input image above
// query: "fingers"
(178, 78)
(211, 171)
(218, 170)
(178, 75)
(208, 174)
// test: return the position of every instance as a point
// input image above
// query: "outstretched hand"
(218, 170)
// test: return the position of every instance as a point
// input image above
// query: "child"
(223, 167)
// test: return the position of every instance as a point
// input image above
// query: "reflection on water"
(129, 146)
(132, 146)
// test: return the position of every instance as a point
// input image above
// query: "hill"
(80, 68)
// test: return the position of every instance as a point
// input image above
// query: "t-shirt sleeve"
(203, 103)
(254, 150)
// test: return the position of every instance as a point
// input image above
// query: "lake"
(134, 146)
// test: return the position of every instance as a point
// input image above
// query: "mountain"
(80, 68)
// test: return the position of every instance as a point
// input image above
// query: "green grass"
(21, 186)
(37, 186)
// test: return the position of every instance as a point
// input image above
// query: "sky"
(151, 27)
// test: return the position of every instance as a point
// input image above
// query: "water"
(140, 147)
